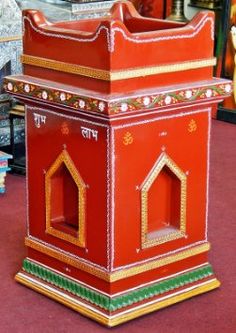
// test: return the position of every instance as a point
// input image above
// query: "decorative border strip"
(123, 105)
(66, 67)
(57, 96)
(114, 303)
(141, 268)
(169, 98)
(185, 33)
(67, 258)
(106, 75)
(129, 314)
(119, 274)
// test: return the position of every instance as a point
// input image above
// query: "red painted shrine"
(118, 128)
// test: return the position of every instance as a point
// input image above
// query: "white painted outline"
(208, 173)
(71, 277)
(27, 168)
(178, 115)
(111, 187)
(160, 279)
(112, 227)
(166, 109)
(196, 29)
(181, 114)
(111, 33)
(126, 290)
(163, 298)
(74, 300)
(76, 39)
(61, 293)
(32, 108)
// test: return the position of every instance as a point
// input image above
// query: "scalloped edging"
(121, 301)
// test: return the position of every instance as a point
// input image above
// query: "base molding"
(116, 309)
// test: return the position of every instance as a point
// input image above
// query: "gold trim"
(64, 158)
(67, 259)
(114, 75)
(160, 262)
(65, 67)
(73, 303)
(10, 38)
(163, 160)
(59, 296)
(121, 274)
(213, 284)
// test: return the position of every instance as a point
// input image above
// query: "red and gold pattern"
(219, 88)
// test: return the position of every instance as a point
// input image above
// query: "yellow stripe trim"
(9, 38)
(114, 75)
(123, 273)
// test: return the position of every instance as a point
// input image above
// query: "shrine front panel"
(161, 185)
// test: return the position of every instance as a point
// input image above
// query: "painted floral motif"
(168, 99)
(44, 95)
(228, 88)
(27, 88)
(81, 104)
(101, 106)
(146, 101)
(140, 103)
(62, 97)
(188, 94)
(208, 93)
(124, 107)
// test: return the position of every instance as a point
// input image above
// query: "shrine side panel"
(49, 134)
(140, 148)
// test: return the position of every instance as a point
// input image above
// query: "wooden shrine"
(118, 136)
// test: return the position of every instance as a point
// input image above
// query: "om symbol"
(128, 139)
(192, 126)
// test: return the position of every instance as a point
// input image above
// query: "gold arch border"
(65, 158)
(163, 160)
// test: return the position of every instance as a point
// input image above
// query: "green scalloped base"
(112, 311)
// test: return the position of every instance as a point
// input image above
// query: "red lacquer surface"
(117, 42)
(115, 153)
